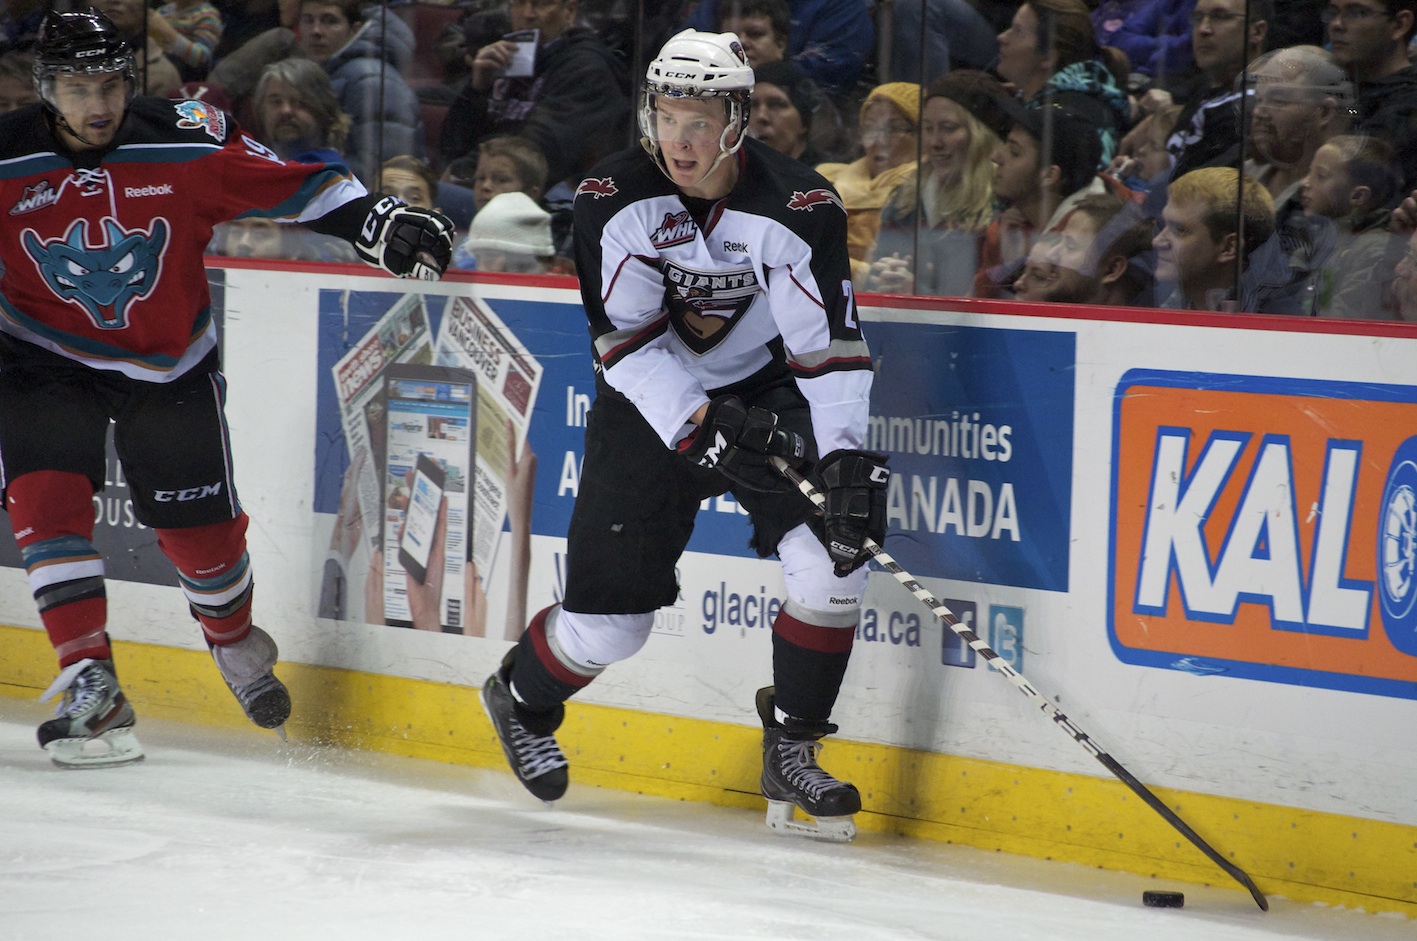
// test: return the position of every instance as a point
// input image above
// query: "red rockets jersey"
(102, 251)
(679, 311)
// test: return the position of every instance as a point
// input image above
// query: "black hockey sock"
(538, 680)
(808, 663)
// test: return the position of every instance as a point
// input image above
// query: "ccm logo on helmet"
(679, 75)
(85, 53)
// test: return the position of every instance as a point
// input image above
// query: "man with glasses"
(1369, 39)
(1223, 43)
(548, 80)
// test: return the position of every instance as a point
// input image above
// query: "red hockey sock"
(52, 515)
(215, 573)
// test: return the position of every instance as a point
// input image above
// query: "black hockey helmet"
(84, 43)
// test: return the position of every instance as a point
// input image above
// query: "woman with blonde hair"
(889, 134)
(953, 201)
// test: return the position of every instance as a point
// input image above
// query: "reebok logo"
(848, 602)
(135, 192)
(740, 247)
(211, 571)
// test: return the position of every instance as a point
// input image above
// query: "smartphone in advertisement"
(425, 497)
(429, 420)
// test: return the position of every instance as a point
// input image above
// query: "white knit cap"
(511, 222)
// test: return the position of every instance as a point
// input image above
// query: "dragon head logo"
(105, 278)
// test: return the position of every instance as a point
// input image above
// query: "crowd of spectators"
(1228, 155)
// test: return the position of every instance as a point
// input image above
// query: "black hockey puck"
(1163, 899)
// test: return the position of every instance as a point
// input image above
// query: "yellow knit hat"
(904, 95)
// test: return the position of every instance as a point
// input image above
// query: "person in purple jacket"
(1155, 34)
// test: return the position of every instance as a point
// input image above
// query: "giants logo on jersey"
(814, 198)
(104, 279)
(676, 229)
(596, 187)
(704, 306)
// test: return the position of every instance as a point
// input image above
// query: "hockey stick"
(1042, 702)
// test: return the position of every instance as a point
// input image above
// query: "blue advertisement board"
(978, 424)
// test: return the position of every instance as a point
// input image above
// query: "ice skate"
(93, 727)
(527, 739)
(793, 780)
(247, 667)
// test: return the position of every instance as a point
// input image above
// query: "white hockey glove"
(406, 241)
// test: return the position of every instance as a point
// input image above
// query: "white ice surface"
(225, 834)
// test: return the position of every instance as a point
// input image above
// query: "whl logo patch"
(676, 229)
(38, 196)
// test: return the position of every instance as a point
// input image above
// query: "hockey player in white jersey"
(715, 275)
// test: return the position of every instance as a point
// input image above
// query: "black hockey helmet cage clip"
(85, 43)
(694, 64)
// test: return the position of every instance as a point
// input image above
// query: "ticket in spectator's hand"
(523, 63)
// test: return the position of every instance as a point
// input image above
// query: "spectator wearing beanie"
(511, 234)
(944, 214)
(889, 132)
(783, 103)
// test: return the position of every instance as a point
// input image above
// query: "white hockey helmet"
(694, 64)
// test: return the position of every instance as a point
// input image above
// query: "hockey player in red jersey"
(715, 275)
(108, 205)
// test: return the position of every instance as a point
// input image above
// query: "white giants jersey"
(680, 309)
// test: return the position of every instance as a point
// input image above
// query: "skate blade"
(114, 747)
(781, 820)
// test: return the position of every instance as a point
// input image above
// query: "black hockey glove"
(738, 441)
(406, 241)
(854, 485)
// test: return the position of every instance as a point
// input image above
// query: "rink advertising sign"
(1266, 528)
(978, 425)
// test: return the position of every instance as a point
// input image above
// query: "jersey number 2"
(847, 293)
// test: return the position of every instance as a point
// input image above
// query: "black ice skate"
(247, 666)
(793, 779)
(93, 727)
(527, 738)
